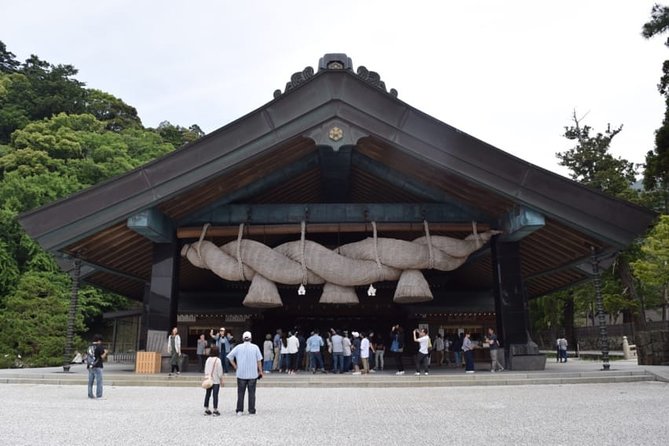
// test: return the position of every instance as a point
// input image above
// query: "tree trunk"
(570, 332)
(628, 281)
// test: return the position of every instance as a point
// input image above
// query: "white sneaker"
(426, 373)
(492, 370)
(417, 374)
(356, 373)
(469, 371)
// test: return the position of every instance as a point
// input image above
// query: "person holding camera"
(95, 367)
(423, 340)
(397, 346)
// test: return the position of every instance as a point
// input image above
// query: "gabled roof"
(391, 152)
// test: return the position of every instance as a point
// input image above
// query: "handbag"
(208, 381)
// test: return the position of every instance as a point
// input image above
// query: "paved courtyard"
(592, 414)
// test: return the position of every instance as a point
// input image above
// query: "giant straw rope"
(305, 262)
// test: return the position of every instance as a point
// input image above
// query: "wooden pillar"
(520, 353)
(161, 295)
(510, 298)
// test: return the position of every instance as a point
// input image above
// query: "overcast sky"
(510, 73)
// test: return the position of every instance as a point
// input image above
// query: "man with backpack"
(95, 354)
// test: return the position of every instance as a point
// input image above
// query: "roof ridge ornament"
(373, 78)
(335, 62)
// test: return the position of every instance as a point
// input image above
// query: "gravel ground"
(592, 414)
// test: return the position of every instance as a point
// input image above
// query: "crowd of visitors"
(355, 352)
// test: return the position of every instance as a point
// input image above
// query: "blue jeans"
(242, 385)
(338, 362)
(95, 374)
(267, 365)
(315, 360)
(213, 390)
(458, 358)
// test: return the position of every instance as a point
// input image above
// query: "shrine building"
(336, 204)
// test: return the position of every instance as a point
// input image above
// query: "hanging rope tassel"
(430, 251)
(303, 261)
(239, 252)
(477, 237)
(199, 242)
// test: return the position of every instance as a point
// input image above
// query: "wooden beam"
(320, 228)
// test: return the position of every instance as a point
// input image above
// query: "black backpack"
(90, 360)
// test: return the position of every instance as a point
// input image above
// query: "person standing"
(276, 366)
(355, 352)
(423, 340)
(365, 348)
(246, 359)
(457, 349)
(301, 351)
(293, 346)
(348, 347)
(174, 350)
(213, 368)
(379, 352)
(447, 348)
(223, 344)
(562, 342)
(439, 348)
(201, 351)
(337, 352)
(313, 348)
(268, 353)
(95, 368)
(397, 346)
(468, 349)
(493, 342)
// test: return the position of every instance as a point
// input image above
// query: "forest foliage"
(58, 137)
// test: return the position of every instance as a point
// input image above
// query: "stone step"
(308, 380)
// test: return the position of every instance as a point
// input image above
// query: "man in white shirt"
(423, 340)
(246, 359)
(364, 353)
(293, 345)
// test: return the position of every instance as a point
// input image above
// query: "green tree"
(8, 62)
(179, 136)
(656, 173)
(590, 162)
(56, 138)
(116, 114)
(653, 267)
(34, 90)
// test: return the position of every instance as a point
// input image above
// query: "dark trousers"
(213, 390)
(400, 364)
(242, 385)
(469, 360)
(421, 362)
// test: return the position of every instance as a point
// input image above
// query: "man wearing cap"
(246, 359)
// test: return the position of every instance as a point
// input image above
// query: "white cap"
(355, 334)
(246, 336)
